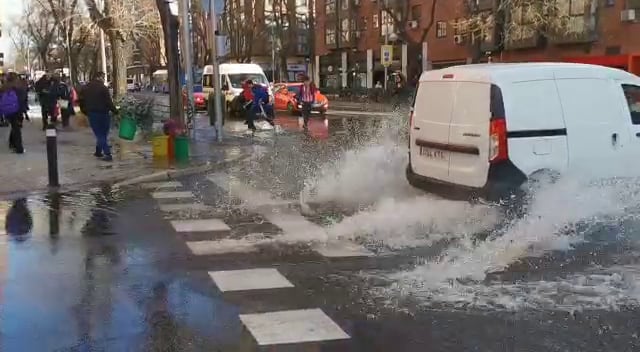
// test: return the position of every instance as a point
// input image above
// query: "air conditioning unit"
(458, 39)
(413, 24)
(629, 15)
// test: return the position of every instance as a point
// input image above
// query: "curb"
(173, 174)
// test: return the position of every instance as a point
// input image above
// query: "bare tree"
(151, 52)
(201, 26)
(21, 42)
(41, 28)
(170, 35)
(123, 21)
(510, 21)
(399, 13)
(73, 28)
(239, 23)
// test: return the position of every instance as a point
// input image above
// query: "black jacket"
(44, 90)
(95, 97)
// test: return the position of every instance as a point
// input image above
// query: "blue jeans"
(100, 124)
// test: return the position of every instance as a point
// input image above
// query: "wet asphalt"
(104, 270)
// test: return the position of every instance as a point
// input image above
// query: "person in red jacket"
(307, 97)
(247, 99)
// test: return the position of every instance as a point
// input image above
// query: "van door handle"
(638, 134)
(614, 139)
(418, 128)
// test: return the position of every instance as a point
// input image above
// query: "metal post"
(188, 60)
(52, 156)
(69, 57)
(103, 50)
(217, 96)
(386, 42)
(273, 53)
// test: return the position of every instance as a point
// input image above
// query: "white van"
(231, 78)
(484, 130)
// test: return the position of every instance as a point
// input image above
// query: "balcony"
(521, 37)
(575, 30)
(633, 4)
(485, 5)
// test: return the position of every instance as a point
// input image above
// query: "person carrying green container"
(95, 102)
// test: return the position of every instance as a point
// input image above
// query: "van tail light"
(498, 150)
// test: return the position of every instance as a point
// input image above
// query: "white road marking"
(185, 207)
(293, 326)
(172, 195)
(200, 225)
(250, 279)
(247, 244)
(342, 249)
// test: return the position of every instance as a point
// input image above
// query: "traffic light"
(1, 59)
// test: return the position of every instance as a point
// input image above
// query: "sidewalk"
(78, 167)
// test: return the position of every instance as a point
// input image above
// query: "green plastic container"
(181, 146)
(127, 128)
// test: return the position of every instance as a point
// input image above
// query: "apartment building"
(424, 35)
(278, 36)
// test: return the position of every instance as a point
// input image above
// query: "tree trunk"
(170, 34)
(118, 66)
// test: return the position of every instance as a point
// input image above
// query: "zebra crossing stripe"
(250, 279)
(200, 225)
(292, 326)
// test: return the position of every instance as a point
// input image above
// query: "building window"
(302, 3)
(376, 22)
(441, 29)
(330, 7)
(363, 23)
(345, 4)
(330, 36)
(416, 12)
(345, 30)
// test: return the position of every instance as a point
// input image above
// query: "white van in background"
(232, 76)
(484, 130)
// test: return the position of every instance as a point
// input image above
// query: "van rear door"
(469, 134)
(430, 132)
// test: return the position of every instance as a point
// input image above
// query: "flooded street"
(316, 242)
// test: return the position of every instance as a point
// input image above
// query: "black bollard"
(52, 156)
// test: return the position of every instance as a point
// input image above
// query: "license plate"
(316, 105)
(433, 153)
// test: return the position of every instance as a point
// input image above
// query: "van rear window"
(497, 104)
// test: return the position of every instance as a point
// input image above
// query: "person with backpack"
(46, 97)
(64, 94)
(12, 108)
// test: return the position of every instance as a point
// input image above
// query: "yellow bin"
(160, 146)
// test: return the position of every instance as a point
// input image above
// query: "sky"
(12, 9)
(9, 11)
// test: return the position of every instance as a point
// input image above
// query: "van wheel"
(522, 197)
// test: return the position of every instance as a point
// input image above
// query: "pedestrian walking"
(307, 97)
(25, 87)
(46, 97)
(95, 102)
(12, 108)
(64, 93)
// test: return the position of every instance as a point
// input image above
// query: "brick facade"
(354, 51)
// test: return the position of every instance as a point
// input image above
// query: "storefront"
(330, 71)
(629, 63)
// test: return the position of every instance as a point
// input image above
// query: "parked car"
(131, 85)
(488, 130)
(286, 98)
(199, 100)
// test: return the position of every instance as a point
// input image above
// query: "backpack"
(9, 103)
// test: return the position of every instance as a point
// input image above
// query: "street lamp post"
(188, 60)
(217, 96)
(103, 50)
